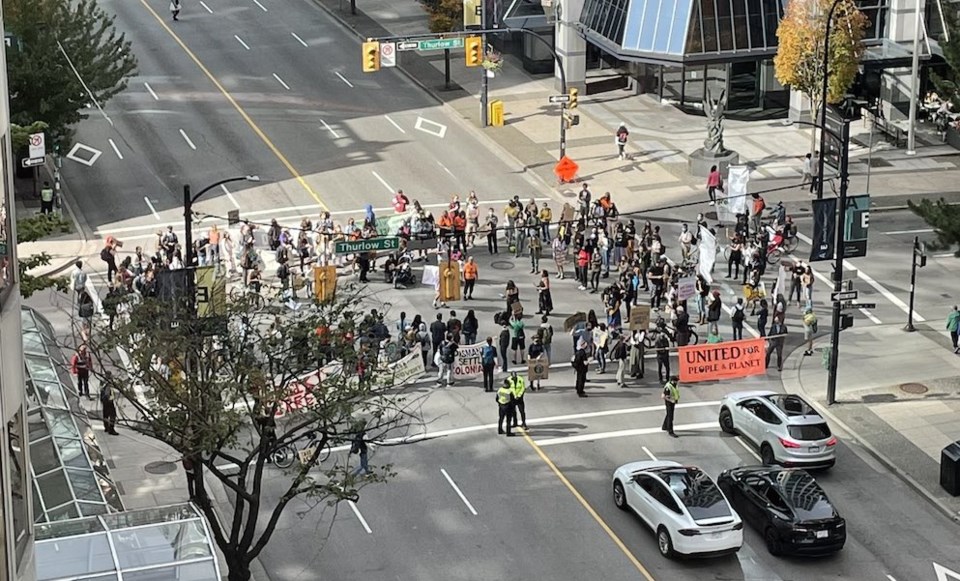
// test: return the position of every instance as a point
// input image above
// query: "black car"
(787, 506)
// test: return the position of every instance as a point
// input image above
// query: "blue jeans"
(362, 466)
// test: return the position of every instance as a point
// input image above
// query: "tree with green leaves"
(250, 387)
(948, 86)
(799, 59)
(55, 42)
(32, 229)
(445, 15)
(944, 218)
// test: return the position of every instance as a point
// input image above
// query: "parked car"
(682, 505)
(785, 428)
(787, 507)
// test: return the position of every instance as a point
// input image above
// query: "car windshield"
(697, 492)
(809, 432)
(808, 500)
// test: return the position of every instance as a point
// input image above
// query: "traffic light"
(574, 94)
(371, 56)
(474, 52)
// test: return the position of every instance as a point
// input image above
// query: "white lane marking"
(344, 79)
(356, 510)
(621, 434)
(431, 127)
(262, 7)
(152, 209)
(446, 169)
(115, 148)
(944, 574)
(946, 255)
(748, 448)
(890, 578)
(300, 40)
(151, 91)
(459, 493)
(205, 7)
(920, 231)
(187, 139)
(279, 80)
(382, 181)
(230, 196)
(311, 208)
(870, 281)
(400, 129)
(330, 129)
(77, 147)
(240, 40)
(648, 453)
(871, 316)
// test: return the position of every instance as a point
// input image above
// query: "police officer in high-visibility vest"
(505, 403)
(518, 386)
(46, 199)
(671, 395)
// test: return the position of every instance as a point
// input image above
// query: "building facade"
(17, 554)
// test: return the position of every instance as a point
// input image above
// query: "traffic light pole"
(917, 254)
(838, 261)
(484, 81)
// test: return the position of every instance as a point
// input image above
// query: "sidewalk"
(898, 396)
(661, 136)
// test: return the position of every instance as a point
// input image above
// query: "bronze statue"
(714, 110)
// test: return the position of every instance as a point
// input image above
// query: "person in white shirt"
(686, 242)
(807, 170)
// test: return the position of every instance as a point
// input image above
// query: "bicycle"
(650, 339)
(283, 456)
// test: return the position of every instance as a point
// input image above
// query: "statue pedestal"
(700, 162)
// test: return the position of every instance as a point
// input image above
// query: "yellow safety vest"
(503, 396)
(674, 391)
(518, 385)
(46, 194)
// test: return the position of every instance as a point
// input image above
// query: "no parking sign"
(388, 54)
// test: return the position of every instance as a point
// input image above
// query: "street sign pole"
(838, 262)
(918, 254)
(484, 80)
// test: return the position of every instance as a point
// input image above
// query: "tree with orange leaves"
(799, 59)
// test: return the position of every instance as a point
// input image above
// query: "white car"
(682, 505)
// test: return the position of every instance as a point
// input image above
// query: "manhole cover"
(160, 467)
(914, 388)
(502, 265)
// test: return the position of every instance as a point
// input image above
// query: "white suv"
(785, 428)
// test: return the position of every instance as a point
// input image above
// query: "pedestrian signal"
(574, 94)
(474, 53)
(371, 56)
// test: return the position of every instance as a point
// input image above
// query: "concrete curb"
(80, 226)
(794, 385)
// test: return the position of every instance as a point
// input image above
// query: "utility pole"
(919, 254)
(824, 90)
(838, 259)
(914, 82)
(485, 80)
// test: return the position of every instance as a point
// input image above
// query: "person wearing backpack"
(447, 355)
(488, 362)
(621, 140)
(536, 352)
(619, 354)
(809, 329)
(736, 317)
(545, 332)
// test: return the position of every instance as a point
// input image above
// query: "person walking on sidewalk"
(809, 329)
(80, 365)
(953, 321)
(622, 135)
(814, 172)
(714, 183)
(663, 355)
(671, 396)
(807, 170)
(109, 408)
(46, 199)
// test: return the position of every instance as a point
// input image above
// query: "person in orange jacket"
(470, 275)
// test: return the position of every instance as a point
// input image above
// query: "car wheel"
(773, 541)
(664, 543)
(766, 455)
(726, 421)
(619, 496)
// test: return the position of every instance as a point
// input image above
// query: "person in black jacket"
(580, 365)
(504, 345)
(438, 331)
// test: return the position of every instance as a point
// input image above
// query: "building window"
(876, 11)
(18, 483)
(607, 18)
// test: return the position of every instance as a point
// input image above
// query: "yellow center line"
(576, 494)
(256, 129)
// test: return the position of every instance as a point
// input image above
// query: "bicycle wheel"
(694, 338)
(236, 294)
(283, 456)
(774, 257)
(790, 244)
(324, 454)
(650, 340)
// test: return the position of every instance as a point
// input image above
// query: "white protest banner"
(708, 254)
(468, 363)
(431, 275)
(738, 177)
(407, 368)
(781, 281)
(686, 288)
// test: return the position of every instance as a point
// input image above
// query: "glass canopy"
(167, 543)
(70, 475)
(683, 31)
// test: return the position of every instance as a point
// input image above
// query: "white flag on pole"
(708, 254)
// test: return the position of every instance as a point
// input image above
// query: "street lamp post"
(188, 201)
(823, 97)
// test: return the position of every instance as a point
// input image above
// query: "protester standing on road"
(713, 312)
(762, 317)
(953, 321)
(80, 365)
(546, 218)
(621, 140)
(446, 357)
(518, 387)
(488, 362)
(559, 255)
(437, 331)
(619, 354)
(671, 396)
(470, 327)
(580, 366)
(505, 407)
(491, 227)
(470, 275)
(545, 332)
(517, 338)
(535, 353)
(778, 333)
(504, 341)
(663, 355)
(737, 318)
(544, 298)
(637, 365)
(536, 249)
